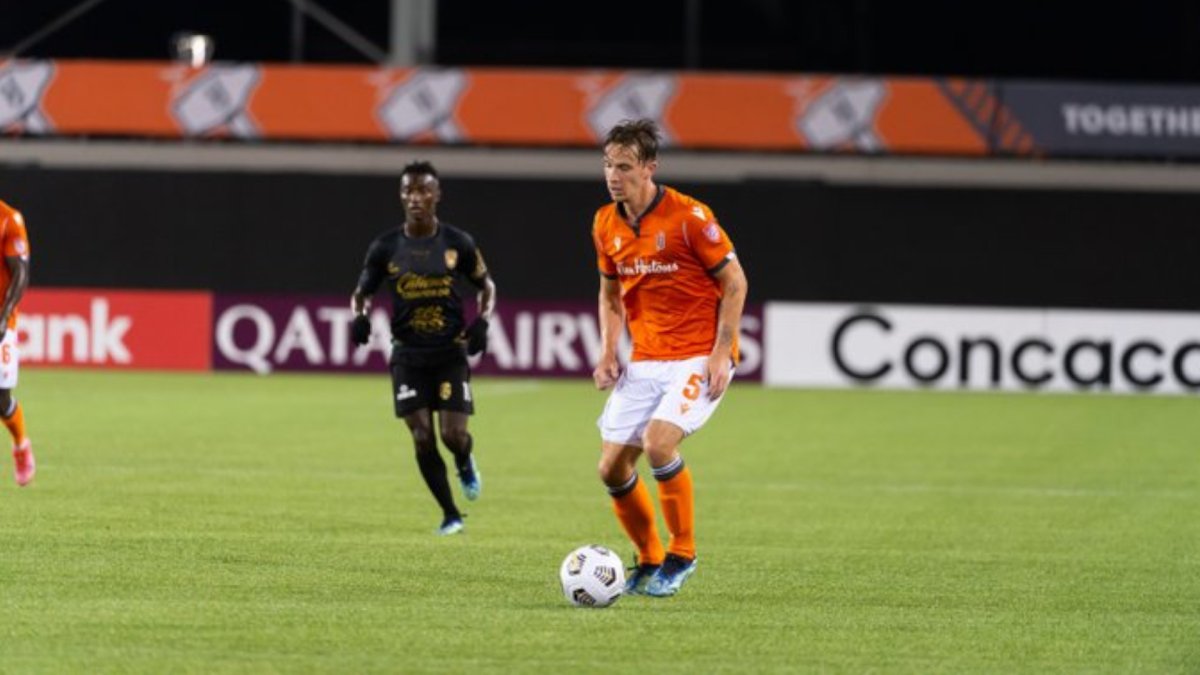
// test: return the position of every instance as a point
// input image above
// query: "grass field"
(230, 523)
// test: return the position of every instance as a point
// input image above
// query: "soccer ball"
(592, 576)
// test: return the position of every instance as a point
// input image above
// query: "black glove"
(360, 329)
(477, 336)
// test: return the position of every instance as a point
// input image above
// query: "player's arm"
(612, 321)
(486, 298)
(374, 269)
(732, 279)
(360, 300)
(18, 270)
(476, 333)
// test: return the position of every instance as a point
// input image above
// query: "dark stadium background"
(1155, 40)
(1015, 245)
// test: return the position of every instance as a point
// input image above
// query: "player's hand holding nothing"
(360, 329)
(718, 375)
(477, 336)
(607, 372)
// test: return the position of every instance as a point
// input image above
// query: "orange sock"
(635, 511)
(678, 507)
(16, 423)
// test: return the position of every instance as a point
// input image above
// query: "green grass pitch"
(233, 523)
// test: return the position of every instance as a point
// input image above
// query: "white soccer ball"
(592, 576)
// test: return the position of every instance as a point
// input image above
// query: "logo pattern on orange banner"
(217, 102)
(22, 86)
(487, 106)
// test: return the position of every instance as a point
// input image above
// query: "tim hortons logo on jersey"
(640, 266)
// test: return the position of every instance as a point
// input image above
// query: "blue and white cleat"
(636, 578)
(451, 525)
(471, 479)
(670, 576)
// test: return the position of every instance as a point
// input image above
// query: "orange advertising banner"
(485, 106)
(116, 329)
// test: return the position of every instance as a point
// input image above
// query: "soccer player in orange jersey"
(669, 272)
(14, 279)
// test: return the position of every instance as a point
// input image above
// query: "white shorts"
(10, 360)
(672, 391)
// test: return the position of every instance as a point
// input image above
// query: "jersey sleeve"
(603, 262)
(16, 239)
(708, 239)
(374, 268)
(470, 260)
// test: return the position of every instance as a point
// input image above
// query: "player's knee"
(426, 447)
(613, 470)
(422, 435)
(456, 438)
(659, 452)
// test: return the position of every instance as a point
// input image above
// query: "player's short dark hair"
(641, 134)
(419, 168)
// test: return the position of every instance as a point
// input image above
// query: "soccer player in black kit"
(420, 263)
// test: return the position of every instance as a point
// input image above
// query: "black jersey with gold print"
(420, 274)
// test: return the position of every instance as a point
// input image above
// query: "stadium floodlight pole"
(50, 28)
(341, 29)
(413, 31)
(691, 35)
(297, 33)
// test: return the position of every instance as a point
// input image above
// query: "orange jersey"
(14, 241)
(666, 268)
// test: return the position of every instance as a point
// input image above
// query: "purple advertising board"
(1069, 119)
(268, 333)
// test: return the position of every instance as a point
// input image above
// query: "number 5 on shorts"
(691, 390)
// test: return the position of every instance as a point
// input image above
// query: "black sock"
(433, 470)
(462, 456)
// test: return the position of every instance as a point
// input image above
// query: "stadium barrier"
(981, 349)
(264, 333)
(574, 107)
(268, 333)
(116, 329)
(487, 106)
(784, 344)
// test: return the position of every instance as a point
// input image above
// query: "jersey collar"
(636, 225)
(437, 229)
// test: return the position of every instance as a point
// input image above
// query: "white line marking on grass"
(1015, 491)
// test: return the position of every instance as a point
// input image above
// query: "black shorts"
(442, 386)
